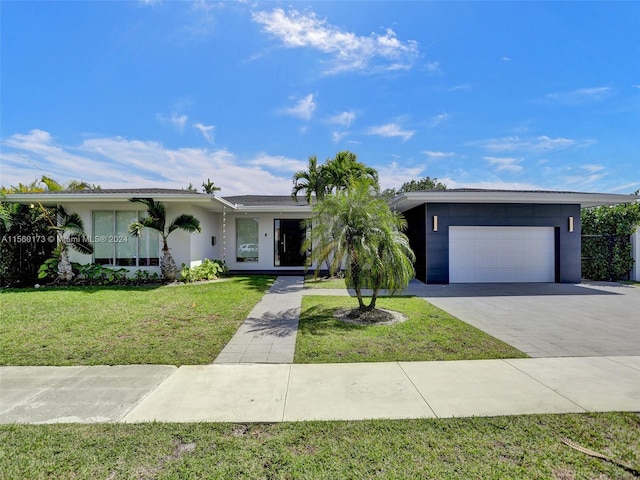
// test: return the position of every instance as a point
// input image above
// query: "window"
(247, 239)
(114, 245)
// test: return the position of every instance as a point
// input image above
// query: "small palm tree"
(357, 229)
(156, 219)
(210, 187)
(69, 230)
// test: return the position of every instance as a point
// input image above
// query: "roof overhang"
(409, 200)
(209, 202)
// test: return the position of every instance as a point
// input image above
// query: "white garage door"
(501, 254)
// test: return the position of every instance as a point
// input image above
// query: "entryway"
(289, 235)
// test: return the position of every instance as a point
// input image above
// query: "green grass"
(428, 334)
(175, 325)
(476, 448)
(311, 282)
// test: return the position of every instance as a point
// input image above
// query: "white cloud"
(391, 130)
(490, 185)
(438, 155)
(592, 168)
(505, 164)
(278, 162)
(206, 131)
(337, 136)
(348, 51)
(539, 144)
(304, 108)
(393, 175)
(433, 68)
(345, 118)
(175, 120)
(581, 95)
(438, 119)
(116, 162)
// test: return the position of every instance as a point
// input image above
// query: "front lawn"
(474, 448)
(175, 325)
(428, 334)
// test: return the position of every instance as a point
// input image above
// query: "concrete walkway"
(268, 335)
(276, 393)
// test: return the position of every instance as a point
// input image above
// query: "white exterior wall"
(635, 252)
(266, 248)
(186, 248)
(201, 247)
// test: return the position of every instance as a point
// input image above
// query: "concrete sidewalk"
(285, 392)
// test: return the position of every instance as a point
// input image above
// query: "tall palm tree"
(344, 169)
(357, 229)
(312, 181)
(156, 219)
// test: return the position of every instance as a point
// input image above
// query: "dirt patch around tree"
(377, 316)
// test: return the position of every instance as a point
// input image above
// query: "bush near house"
(606, 247)
(207, 270)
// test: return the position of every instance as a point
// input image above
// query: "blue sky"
(539, 95)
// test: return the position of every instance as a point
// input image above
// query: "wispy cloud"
(277, 162)
(505, 164)
(348, 51)
(345, 118)
(206, 131)
(581, 95)
(337, 136)
(116, 162)
(592, 168)
(438, 155)
(304, 108)
(391, 130)
(540, 144)
(438, 119)
(175, 120)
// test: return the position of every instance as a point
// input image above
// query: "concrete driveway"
(547, 320)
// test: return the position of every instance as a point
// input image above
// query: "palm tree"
(209, 187)
(156, 219)
(356, 228)
(344, 169)
(69, 230)
(312, 181)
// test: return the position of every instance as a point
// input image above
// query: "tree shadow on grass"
(319, 320)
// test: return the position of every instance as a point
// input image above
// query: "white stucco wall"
(635, 246)
(266, 249)
(185, 248)
(201, 246)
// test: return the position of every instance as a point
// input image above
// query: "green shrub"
(207, 270)
(606, 247)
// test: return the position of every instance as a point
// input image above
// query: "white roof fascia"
(409, 200)
(273, 209)
(70, 198)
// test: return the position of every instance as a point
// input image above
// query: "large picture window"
(114, 245)
(247, 239)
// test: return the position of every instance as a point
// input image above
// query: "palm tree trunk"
(168, 266)
(65, 271)
(374, 298)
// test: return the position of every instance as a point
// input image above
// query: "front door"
(289, 236)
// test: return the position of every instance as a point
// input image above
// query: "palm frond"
(185, 222)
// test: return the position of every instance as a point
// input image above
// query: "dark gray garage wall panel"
(568, 266)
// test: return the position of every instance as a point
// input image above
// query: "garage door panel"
(501, 254)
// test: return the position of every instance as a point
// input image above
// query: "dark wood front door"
(289, 236)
